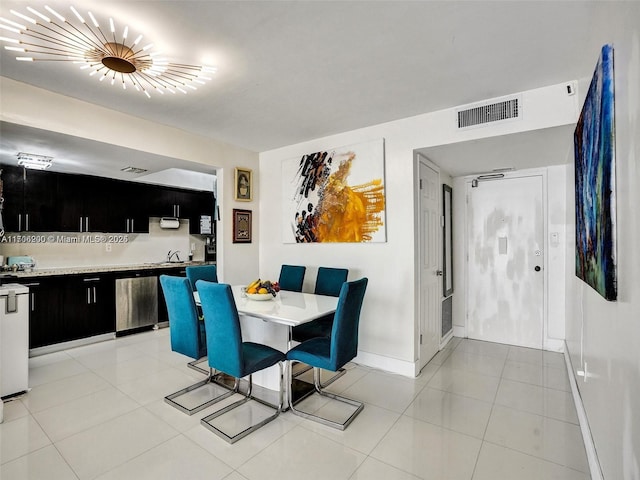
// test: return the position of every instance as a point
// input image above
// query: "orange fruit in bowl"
(263, 291)
(252, 290)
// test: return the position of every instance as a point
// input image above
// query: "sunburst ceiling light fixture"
(107, 54)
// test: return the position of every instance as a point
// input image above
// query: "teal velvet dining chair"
(334, 352)
(328, 282)
(187, 336)
(291, 277)
(201, 272)
(229, 354)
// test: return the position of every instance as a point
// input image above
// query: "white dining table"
(270, 322)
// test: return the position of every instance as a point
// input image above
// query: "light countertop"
(79, 270)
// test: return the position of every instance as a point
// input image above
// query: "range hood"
(169, 222)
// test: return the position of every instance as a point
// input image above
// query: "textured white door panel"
(505, 301)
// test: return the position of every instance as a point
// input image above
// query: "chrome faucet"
(170, 255)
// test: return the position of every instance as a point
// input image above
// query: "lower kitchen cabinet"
(88, 306)
(69, 308)
(45, 311)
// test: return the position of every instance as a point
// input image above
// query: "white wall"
(26, 105)
(387, 335)
(604, 337)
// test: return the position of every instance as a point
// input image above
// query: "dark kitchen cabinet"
(68, 308)
(88, 306)
(45, 311)
(129, 203)
(181, 203)
(30, 200)
(83, 204)
(200, 203)
(162, 202)
(44, 201)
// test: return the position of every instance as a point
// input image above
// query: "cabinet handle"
(80, 224)
(33, 302)
(127, 230)
(178, 208)
(86, 222)
(26, 221)
(19, 222)
(95, 298)
(88, 295)
(33, 284)
(93, 279)
(132, 228)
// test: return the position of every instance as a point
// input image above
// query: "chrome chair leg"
(194, 365)
(232, 438)
(171, 399)
(338, 374)
(319, 390)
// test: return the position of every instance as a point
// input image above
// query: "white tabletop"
(287, 308)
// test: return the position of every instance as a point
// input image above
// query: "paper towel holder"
(169, 222)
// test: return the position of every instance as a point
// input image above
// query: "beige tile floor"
(478, 411)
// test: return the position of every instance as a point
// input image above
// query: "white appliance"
(14, 339)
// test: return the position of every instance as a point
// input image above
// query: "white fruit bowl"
(260, 296)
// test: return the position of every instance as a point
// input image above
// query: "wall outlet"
(193, 247)
(107, 247)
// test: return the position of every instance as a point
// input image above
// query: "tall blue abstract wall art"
(595, 176)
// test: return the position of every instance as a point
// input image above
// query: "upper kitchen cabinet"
(130, 207)
(83, 204)
(97, 204)
(44, 201)
(193, 205)
(181, 203)
(29, 199)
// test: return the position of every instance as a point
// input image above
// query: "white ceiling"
(294, 71)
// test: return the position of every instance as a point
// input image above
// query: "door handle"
(537, 268)
(439, 273)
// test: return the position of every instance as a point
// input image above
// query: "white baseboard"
(392, 365)
(459, 331)
(592, 455)
(57, 347)
(553, 345)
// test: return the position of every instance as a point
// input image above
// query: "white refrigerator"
(14, 339)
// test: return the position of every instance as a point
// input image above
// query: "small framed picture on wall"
(244, 185)
(241, 226)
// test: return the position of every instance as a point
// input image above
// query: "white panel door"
(505, 301)
(430, 281)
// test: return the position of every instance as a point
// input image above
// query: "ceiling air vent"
(133, 170)
(487, 112)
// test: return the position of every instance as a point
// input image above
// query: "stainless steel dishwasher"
(136, 302)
